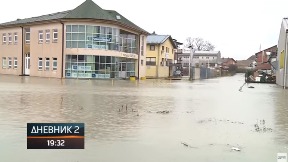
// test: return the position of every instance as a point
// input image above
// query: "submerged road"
(205, 120)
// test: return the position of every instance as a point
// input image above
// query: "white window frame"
(40, 59)
(47, 60)
(4, 62)
(39, 36)
(15, 38)
(27, 41)
(48, 36)
(55, 31)
(15, 63)
(9, 62)
(53, 61)
(4, 38)
(9, 38)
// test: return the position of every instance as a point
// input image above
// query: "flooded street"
(165, 120)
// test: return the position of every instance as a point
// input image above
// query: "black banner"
(55, 135)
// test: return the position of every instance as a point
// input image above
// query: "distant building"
(226, 62)
(159, 55)
(85, 42)
(210, 59)
(244, 65)
(264, 57)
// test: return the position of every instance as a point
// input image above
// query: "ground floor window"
(15, 63)
(151, 61)
(4, 63)
(54, 63)
(40, 63)
(47, 64)
(9, 62)
(93, 66)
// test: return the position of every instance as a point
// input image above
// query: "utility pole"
(190, 61)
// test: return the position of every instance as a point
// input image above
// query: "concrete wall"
(142, 57)
(11, 50)
(163, 71)
(281, 48)
(196, 73)
(51, 50)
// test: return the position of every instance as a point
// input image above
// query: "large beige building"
(86, 42)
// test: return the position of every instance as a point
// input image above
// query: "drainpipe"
(139, 61)
(158, 61)
(22, 53)
(62, 59)
(285, 62)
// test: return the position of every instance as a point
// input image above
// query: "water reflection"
(281, 114)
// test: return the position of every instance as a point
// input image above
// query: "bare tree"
(199, 44)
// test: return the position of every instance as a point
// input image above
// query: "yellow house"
(159, 55)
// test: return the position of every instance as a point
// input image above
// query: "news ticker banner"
(55, 135)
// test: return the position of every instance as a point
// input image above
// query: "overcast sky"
(235, 27)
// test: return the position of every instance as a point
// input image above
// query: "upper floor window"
(15, 38)
(152, 47)
(167, 50)
(4, 39)
(47, 36)
(142, 50)
(102, 37)
(40, 36)
(162, 48)
(142, 40)
(27, 36)
(10, 38)
(142, 46)
(207, 57)
(55, 35)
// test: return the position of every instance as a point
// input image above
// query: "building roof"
(53, 16)
(224, 60)
(244, 63)
(206, 53)
(253, 57)
(87, 10)
(271, 49)
(159, 39)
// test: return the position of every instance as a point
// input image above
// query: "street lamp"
(190, 61)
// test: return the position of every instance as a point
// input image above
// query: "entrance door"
(27, 64)
(122, 70)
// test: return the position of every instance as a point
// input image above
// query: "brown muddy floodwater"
(202, 120)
